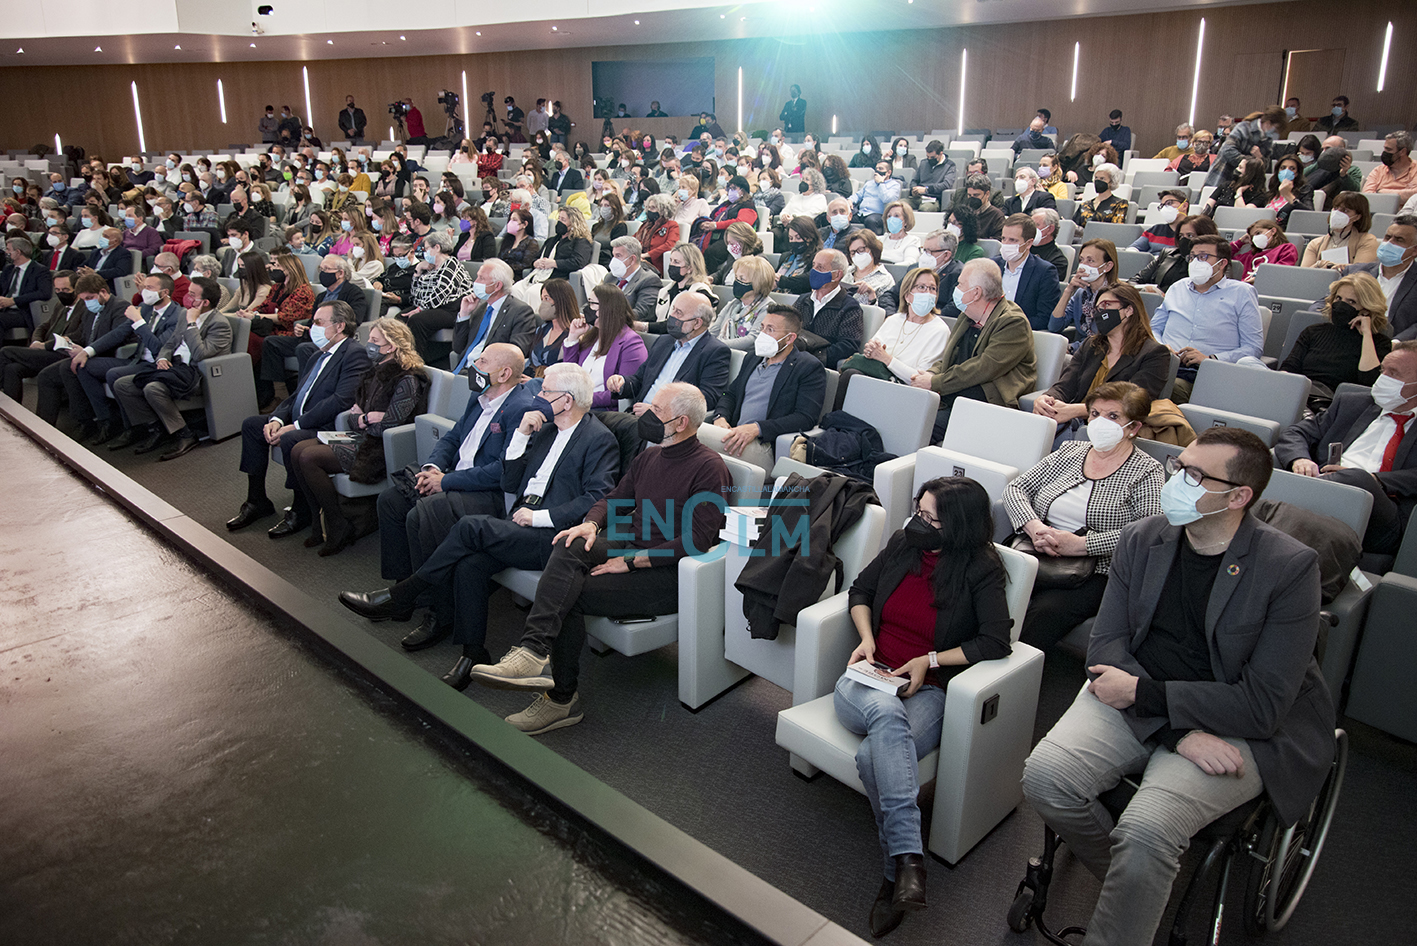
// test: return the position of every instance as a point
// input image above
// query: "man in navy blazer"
(692, 356)
(636, 279)
(1029, 282)
(1366, 430)
(780, 392)
(24, 280)
(565, 177)
(325, 390)
(112, 259)
(104, 328)
(556, 468)
(153, 323)
(462, 475)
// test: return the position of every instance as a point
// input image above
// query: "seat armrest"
(344, 420)
(704, 672)
(400, 447)
(894, 482)
(1201, 418)
(1025, 402)
(994, 477)
(428, 428)
(783, 444)
(826, 636)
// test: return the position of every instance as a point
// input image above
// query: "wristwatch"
(934, 660)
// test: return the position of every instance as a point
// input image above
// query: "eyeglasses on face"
(1194, 475)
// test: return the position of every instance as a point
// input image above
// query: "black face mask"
(477, 380)
(675, 273)
(650, 428)
(590, 315)
(1102, 186)
(240, 273)
(1389, 158)
(561, 229)
(802, 188)
(1183, 246)
(676, 329)
(922, 536)
(1343, 313)
(741, 289)
(67, 298)
(327, 279)
(975, 202)
(1105, 320)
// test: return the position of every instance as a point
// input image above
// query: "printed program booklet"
(877, 675)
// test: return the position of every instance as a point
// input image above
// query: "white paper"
(183, 352)
(873, 676)
(62, 344)
(1338, 254)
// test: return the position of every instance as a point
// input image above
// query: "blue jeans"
(1137, 858)
(898, 732)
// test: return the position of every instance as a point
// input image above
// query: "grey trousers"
(1137, 858)
(151, 404)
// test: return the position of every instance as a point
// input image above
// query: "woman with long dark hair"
(929, 605)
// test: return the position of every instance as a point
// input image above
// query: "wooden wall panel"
(1141, 64)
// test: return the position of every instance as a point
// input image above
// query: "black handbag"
(1056, 571)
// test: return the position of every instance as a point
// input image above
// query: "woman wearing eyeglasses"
(929, 605)
(1071, 509)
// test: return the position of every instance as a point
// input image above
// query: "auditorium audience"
(739, 321)
(48, 342)
(659, 233)
(23, 281)
(1259, 131)
(153, 321)
(569, 248)
(908, 341)
(1106, 207)
(1029, 281)
(1169, 266)
(868, 280)
(1395, 273)
(1198, 158)
(741, 240)
(1265, 242)
(604, 341)
(871, 200)
(440, 283)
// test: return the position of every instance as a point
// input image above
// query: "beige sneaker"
(519, 669)
(545, 714)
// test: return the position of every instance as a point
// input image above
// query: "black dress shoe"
(885, 917)
(105, 434)
(184, 446)
(155, 440)
(125, 440)
(339, 536)
(86, 432)
(250, 512)
(315, 539)
(426, 635)
(461, 675)
(287, 526)
(909, 882)
(376, 605)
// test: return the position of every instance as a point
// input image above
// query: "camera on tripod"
(449, 101)
(398, 109)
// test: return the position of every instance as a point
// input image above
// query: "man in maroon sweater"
(621, 560)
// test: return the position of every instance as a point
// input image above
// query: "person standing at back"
(794, 113)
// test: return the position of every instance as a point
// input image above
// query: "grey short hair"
(441, 240)
(1050, 215)
(344, 265)
(978, 182)
(22, 244)
(816, 180)
(1027, 172)
(985, 274)
(1114, 173)
(1405, 220)
(662, 204)
(629, 244)
(839, 263)
(1184, 129)
(521, 195)
(685, 400)
(503, 271)
(574, 380)
(207, 265)
(949, 241)
(1401, 140)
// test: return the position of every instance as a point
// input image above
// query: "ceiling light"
(98, 49)
(553, 29)
(637, 22)
(178, 46)
(479, 32)
(329, 42)
(253, 45)
(405, 38)
(723, 16)
(20, 50)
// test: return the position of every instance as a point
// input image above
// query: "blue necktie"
(487, 316)
(304, 391)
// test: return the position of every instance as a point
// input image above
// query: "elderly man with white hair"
(540, 214)
(559, 462)
(989, 356)
(1028, 195)
(489, 315)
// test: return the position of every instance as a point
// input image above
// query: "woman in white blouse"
(811, 202)
(691, 205)
(899, 245)
(909, 341)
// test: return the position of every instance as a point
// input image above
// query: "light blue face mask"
(895, 224)
(958, 297)
(429, 258)
(1287, 174)
(1390, 254)
(93, 305)
(1179, 498)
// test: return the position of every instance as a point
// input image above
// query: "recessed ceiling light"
(253, 45)
(479, 32)
(328, 42)
(723, 16)
(178, 46)
(20, 50)
(637, 22)
(553, 29)
(405, 38)
(742, 18)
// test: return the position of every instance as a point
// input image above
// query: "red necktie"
(1390, 452)
(621, 284)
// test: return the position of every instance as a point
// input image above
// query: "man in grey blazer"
(634, 277)
(1203, 683)
(491, 315)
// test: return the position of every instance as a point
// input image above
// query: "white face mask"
(765, 346)
(1009, 252)
(52, 240)
(734, 250)
(1260, 240)
(1097, 160)
(1105, 433)
(922, 302)
(1021, 185)
(1200, 272)
(1088, 272)
(617, 267)
(1388, 392)
(860, 260)
(1167, 214)
(926, 261)
(234, 242)
(1338, 220)
(150, 297)
(954, 230)
(839, 221)
(357, 252)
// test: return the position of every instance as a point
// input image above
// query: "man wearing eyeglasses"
(1203, 686)
(1209, 315)
(1175, 205)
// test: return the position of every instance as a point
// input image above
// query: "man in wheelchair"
(1203, 685)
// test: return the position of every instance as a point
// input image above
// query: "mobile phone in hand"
(1335, 454)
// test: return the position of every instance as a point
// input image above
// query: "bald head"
(1335, 141)
(502, 355)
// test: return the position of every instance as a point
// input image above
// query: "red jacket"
(656, 240)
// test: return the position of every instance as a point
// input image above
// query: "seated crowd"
(627, 318)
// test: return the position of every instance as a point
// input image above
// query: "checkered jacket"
(1131, 493)
(446, 285)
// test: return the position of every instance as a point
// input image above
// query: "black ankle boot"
(909, 882)
(884, 916)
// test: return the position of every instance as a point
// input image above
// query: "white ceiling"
(69, 32)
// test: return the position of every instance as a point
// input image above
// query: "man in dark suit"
(779, 390)
(934, 177)
(687, 353)
(832, 326)
(105, 327)
(462, 474)
(837, 233)
(940, 246)
(1377, 433)
(557, 467)
(61, 254)
(64, 326)
(352, 120)
(21, 282)
(566, 176)
(490, 316)
(1029, 282)
(634, 277)
(110, 259)
(1203, 682)
(326, 389)
(1398, 280)
(794, 113)
(1028, 196)
(336, 275)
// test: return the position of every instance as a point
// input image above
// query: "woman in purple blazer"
(604, 341)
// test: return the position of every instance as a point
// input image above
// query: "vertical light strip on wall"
(740, 98)
(1387, 45)
(1196, 80)
(221, 100)
(963, 69)
(1073, 93)
(1288, 63)
(138, 116)
(58, 148)
(833, 124)
(464, 92)
(309, 112)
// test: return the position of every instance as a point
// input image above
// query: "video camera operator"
(408, 115)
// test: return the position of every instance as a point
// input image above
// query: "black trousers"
(947, 401)
(57, 382)
(1385, 523)
(461, 570)
(411, 530)
(17, 364)
(16, 318)
(568, 592)
(1053, 612)
(275, 349)
(428, 323)
(256, 453)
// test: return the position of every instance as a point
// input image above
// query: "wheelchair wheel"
(1021, 911)
(1283, 859)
